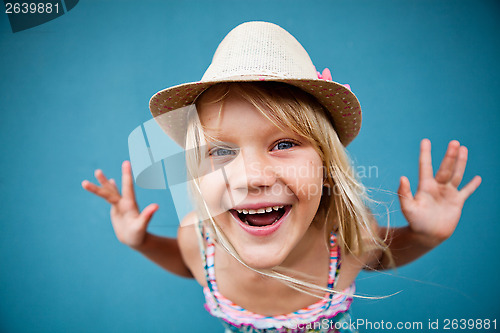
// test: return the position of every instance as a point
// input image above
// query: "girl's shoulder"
(187, 239)
(352, 264)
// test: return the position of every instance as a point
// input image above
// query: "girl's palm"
(128, 222)
(436, 208)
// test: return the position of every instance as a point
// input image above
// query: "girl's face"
(263, 185)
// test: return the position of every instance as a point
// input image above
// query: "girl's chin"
(263, 259)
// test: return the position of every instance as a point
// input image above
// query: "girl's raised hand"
(435, 209)
(129, 224)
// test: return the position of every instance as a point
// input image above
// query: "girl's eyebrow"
(220, 143)
(213, 133)
(213, 138)
(215, 142)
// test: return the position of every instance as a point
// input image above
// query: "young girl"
(278, 207)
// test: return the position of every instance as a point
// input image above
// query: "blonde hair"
(343, 207)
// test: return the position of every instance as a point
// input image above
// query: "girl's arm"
(130, 224)
(164, 252)
(433, 213)
(405, 246)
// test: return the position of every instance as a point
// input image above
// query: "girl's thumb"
(147, 214)
(404, 191)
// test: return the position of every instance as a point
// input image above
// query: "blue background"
(72, 90)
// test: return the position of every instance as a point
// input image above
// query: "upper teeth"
(259, 211)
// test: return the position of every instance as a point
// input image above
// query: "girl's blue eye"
(221, 152)
(284, 145)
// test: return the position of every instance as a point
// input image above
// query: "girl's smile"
(261, 221)
(262, 184)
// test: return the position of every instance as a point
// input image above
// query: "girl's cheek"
(218, 195)
(212, 188)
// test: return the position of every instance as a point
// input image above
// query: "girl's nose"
(260, 175)
(254, 172)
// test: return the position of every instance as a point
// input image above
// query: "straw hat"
(260, 51)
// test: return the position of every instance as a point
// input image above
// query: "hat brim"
(342, 104)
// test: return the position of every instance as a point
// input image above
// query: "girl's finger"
(113, 183)
(92, 188)
(425, 161)
(405, 196)
(127, 181)
(458, 174)
(147, 214)
(468, 189)
(99, 175)
(404, 190)
(445, 172)
(110, 196)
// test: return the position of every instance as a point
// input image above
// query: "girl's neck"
(309, 261)
(310, 254)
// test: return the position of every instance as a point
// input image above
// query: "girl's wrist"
(143, 246)
(425, 239)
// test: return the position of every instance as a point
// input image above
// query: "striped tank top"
(330, 314)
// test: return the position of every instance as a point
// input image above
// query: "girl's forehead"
(239, 100)
(231, 109)
(235, 116)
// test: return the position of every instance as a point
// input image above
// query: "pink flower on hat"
(327, 76)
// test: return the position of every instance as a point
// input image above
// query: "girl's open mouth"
(262, 221)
